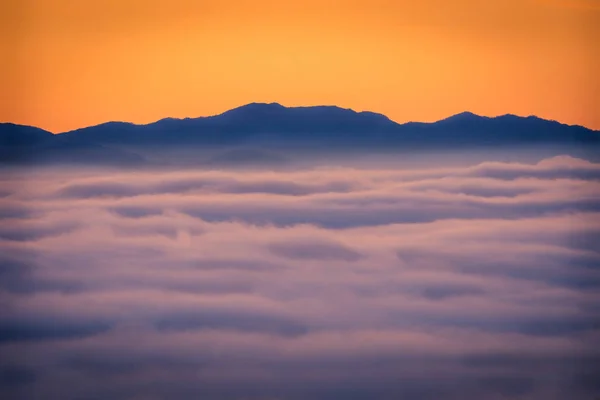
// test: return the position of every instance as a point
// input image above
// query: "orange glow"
(69, 63)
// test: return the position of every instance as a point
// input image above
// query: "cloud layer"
(325, 283)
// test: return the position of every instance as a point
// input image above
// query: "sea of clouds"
(464, 282)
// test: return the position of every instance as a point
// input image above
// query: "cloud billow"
(323, 283)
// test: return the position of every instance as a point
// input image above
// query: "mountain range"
(263, 127)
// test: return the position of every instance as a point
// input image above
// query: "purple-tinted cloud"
(325, 283)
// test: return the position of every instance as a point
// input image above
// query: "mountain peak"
(257, 107)
(274, 117)
(463, 116)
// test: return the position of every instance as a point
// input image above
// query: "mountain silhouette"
(253, 121)
(264, 126)
(20, 144)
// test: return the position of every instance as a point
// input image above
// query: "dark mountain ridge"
(242, 123)
(264, 125)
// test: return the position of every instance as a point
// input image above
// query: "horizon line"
(466, 112)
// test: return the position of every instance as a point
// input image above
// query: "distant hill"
(21, 144)
(263, 126)
(264, 122)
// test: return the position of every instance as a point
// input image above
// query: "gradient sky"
(68, 64)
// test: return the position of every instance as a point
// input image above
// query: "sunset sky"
(69, 63)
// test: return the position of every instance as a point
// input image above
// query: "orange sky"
(73, 63)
